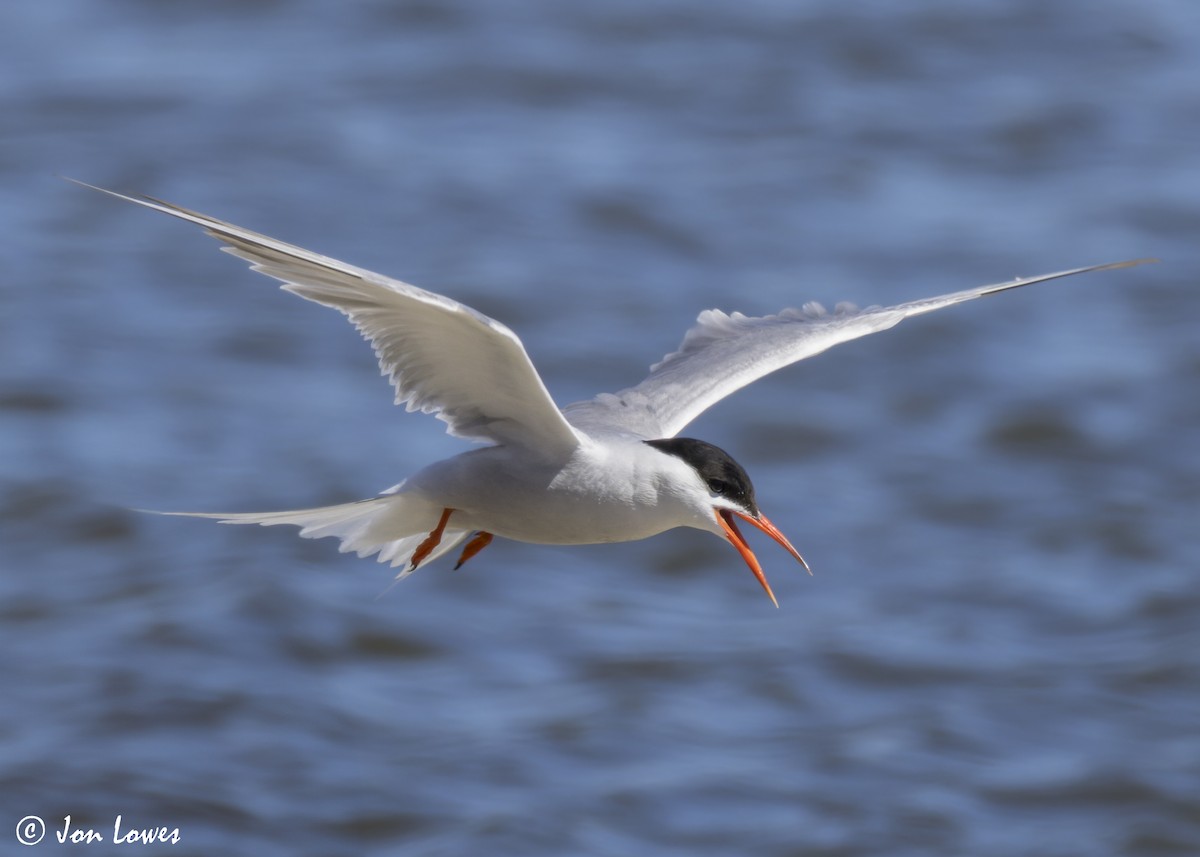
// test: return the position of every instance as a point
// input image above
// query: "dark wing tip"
(1128, 263)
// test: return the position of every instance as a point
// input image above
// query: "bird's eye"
(718, 486)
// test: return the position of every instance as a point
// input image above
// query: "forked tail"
(392, 526)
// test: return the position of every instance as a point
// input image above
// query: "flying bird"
(609, 469)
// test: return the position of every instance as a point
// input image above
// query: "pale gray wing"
(723, 353)
(441, 356)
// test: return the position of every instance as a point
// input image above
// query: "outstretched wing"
(441, 356)
(723, 353)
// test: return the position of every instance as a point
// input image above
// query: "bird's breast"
(596, 495)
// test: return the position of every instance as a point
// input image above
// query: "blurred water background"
(1000, 651)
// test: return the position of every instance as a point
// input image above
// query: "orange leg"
(474, 546)
(431, 541)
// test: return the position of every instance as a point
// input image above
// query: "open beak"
(725, 517)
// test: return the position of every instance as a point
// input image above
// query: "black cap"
(716, 467)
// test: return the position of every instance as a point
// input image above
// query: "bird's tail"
(392, 526)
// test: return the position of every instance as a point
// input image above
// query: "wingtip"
(82, 183)
(1128, 263)
(104, 190)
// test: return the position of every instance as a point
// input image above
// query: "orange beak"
(729, 525)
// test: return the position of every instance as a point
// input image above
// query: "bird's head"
(724, 491)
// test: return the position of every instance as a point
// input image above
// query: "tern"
(609, 469)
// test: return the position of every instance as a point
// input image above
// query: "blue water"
(999, 653)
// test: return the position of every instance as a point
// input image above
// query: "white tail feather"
(392, 526)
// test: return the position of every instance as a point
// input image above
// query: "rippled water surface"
(999, 653)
